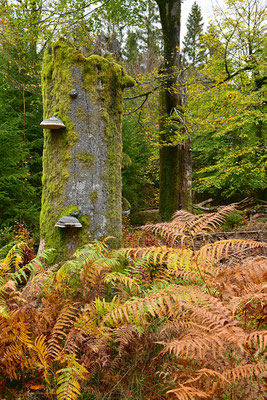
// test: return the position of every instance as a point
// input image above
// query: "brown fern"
(185, 225)
(188, 393)
(215, 252)
(64, 323)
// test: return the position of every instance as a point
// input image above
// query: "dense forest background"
(220, 80)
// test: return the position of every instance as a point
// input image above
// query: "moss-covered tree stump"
(81, 163)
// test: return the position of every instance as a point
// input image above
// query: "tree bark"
(82, 163)
(175, 159)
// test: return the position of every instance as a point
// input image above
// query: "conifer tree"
(192, 50)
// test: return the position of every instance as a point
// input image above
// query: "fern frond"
(88, 323)
(136, 311)
(89, 320)
(244, 371)
(258, 340)
(41, 348)
(256, 295)
(3, 304)
(16, 358)
(247, 277)
(68, 386)
(211, 317)
(64, 323)
(178, 262)
(20, 274)
(130, 283)
(169, 301)
(188, 393)
(73, 340)
(5, 249)
(186, 225)
(14, 257)
(203, 372)
(16, 328)
(14, 352)
(92, 277)
(209, 222)
(68, 379)
(102, 307)
(36, 264)
(195, 345)
(25, 335)
(161, 255)
(214, 252)
(89, 265)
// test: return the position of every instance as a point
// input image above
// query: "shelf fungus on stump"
(52, 123)
(68, 222)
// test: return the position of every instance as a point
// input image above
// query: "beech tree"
(227, 106)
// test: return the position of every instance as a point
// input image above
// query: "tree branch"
(138, 108)
(146, 94)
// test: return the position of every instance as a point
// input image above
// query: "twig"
(142, 94)
(203, 203)
(138, 108)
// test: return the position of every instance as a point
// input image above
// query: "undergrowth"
(171, 320)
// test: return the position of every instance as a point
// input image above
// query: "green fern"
(68, 387)
(14, 258)
(119, 277)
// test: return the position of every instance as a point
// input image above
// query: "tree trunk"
(175, 159)
(82, 163)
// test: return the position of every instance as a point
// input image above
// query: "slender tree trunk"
(175, 159)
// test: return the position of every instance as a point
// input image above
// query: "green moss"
(127, 82)
(81, 113)
(85, 221)
(68, 210)
(93, 196)
(104, 80)
(86, 158)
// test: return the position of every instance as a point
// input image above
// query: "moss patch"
(68, 210)
(93, 196)
(86, 158)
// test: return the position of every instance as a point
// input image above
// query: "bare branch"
(142, 94)
(138, 108)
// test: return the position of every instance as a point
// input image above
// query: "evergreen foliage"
(192, 47)
(20, 113)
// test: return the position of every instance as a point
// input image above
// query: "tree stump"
(82, 162)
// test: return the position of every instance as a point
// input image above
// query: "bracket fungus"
(68, 222)
(52, 123)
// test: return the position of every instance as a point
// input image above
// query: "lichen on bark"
(82, 163)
